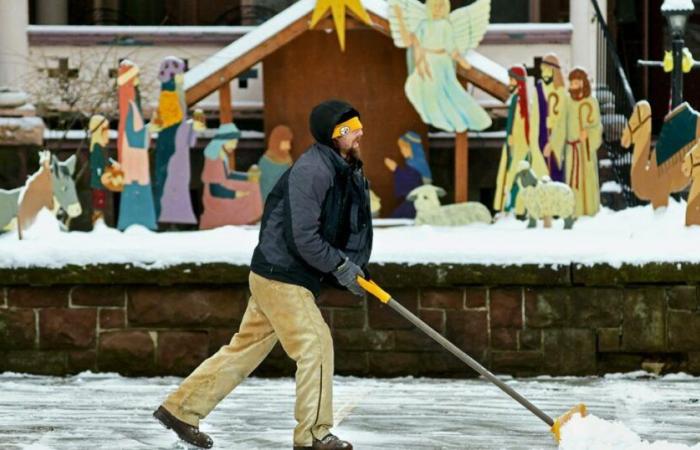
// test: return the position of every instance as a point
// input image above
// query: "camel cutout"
(691, 169)
(656, 172)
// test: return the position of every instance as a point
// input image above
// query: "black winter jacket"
(317, 213)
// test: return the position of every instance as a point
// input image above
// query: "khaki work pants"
(275, 311)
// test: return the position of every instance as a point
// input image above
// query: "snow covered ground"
(106, 411)
(636, 235)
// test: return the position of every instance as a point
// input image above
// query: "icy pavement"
(106, 411)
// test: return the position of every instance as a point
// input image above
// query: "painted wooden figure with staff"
(519, 145)
(551, 95)
(580, 133)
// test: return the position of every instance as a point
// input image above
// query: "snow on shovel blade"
(564, 418)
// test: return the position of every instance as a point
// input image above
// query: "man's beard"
(547, 80)
(512, 88)
(576, 94)
(355, 152)
(350, 153)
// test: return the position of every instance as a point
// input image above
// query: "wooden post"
(461, 167)
(225, 109)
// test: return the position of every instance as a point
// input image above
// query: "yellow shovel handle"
(374, 289)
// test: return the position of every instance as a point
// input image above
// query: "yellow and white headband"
(346, 127)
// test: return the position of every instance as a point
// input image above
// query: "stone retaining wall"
(516, 320)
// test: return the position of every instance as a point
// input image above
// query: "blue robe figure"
(136, 206)
(406, 179)
(415, 173)
(412, 150)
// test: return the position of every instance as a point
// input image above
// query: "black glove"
(346, 274)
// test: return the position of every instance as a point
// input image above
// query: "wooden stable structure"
(303, 67)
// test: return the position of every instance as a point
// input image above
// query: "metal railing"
(616, 102)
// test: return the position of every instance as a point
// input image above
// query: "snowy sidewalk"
(106, 411)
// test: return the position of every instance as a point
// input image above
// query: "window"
(525, 11)
(509, 11)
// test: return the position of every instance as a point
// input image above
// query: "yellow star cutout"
(337, 8)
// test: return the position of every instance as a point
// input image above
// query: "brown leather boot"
(184, 431)
(330, 442)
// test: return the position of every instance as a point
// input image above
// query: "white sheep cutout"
(545, 198)
(430, 212)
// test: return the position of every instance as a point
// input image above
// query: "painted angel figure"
(437, 40)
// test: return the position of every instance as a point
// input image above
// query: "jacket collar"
(338, 163)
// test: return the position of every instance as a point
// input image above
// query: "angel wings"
(436, 39)
(468, 23)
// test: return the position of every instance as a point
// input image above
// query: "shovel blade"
(564, 418)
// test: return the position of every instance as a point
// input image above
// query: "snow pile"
(137, 245)
(45, 226)
(593, 433)
(611, 186)
(633, 236)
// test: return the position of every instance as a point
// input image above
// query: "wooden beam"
(461, 167)
(225, 108)
(245, 62)
(351, 23)
(485, 82)
(227, 73)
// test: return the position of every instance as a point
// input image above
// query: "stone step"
(604, 95)
(613, 126)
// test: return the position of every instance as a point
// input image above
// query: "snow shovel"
(555, 425)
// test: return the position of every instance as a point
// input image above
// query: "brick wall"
(139, 329)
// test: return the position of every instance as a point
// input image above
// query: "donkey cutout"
(51, 187)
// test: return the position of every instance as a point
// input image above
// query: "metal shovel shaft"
(468, 360)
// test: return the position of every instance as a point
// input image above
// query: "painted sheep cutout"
(429, 211)
(51, 187)
(544, 198)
